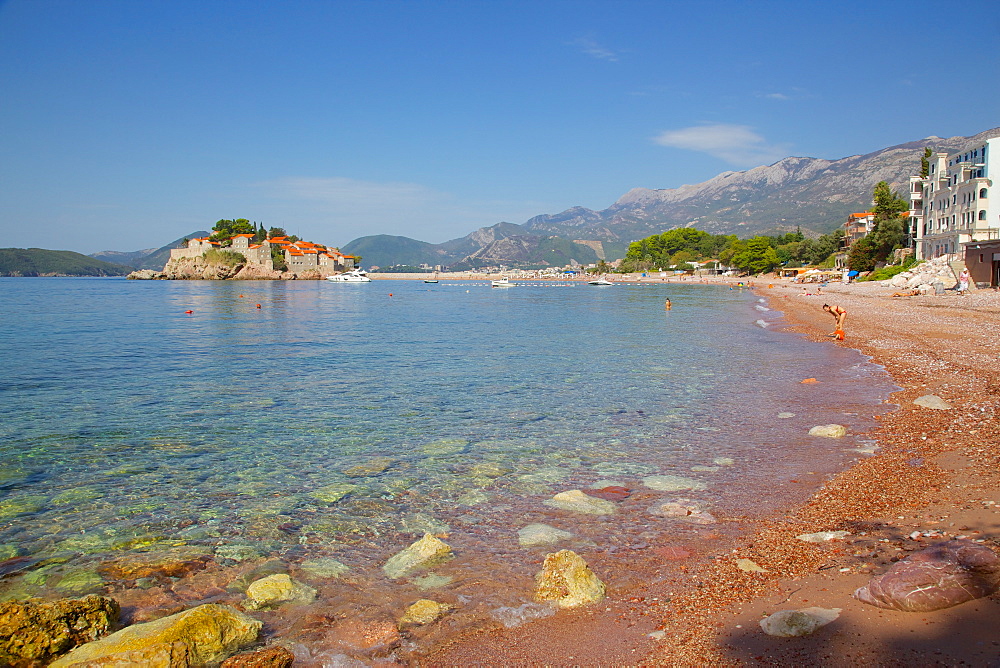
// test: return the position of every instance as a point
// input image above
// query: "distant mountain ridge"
(153, 258)
(814, 194)
(811, 194)
(29, 262)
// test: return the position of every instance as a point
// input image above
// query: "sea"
(316, 429)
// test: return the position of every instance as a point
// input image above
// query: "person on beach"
(839, 313)
(963, 282)
(666, 304)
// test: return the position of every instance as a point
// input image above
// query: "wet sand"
(935, 476)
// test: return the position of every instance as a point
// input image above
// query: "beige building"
(953, 206)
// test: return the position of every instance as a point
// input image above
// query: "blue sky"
(125, 125)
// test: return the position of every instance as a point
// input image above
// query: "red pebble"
(612, 493)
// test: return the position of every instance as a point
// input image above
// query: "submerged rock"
(210, 633)
(275, 590)
(274, 656)
(829, 431)
(421, 555)
(515, 616)
(577, 501)
(795, 623)
(671, 483)
(36, 631)
(173, 562)
(567, 581)
(540, 534)
(324, 567)
(424, 611)
(370, 468)
(684, 510)
(610, 492)
(333, 493)
(939, 577)
(432, 581)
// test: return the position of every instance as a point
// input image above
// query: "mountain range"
(810, 194)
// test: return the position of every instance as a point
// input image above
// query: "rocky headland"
(188, 269)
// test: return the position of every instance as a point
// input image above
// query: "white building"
(953, 205)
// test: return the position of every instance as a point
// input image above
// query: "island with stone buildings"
(240, 258)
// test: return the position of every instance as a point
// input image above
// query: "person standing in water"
(839, 313)
(666, 304)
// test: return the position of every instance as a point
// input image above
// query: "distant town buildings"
(858, 226)
(299, 256)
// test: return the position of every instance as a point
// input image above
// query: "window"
(982, 194)
(982, 214)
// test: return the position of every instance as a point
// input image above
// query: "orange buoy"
(840, 334)
(390, 294)
(189, 311)
(258, 305)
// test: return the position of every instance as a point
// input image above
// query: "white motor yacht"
(352, 276)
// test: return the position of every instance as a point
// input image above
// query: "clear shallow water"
(337, 421)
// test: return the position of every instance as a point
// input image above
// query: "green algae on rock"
(36, 631)
(424, 611)
(324, 567)
(334, 493)
(211, 632)
(421, 555)
(275, 590)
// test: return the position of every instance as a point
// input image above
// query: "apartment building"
(953, 206)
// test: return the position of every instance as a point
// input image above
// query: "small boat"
(600, 281)
(352, 276)
(501, 283)
(430, 280)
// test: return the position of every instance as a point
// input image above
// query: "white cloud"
(590, 47)
(738, 145)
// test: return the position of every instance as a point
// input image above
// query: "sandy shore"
(936, 472)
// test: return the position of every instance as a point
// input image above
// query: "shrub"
(224, 257)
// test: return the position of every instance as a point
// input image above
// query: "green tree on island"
(225, 229)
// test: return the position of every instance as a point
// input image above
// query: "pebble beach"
(933, 476)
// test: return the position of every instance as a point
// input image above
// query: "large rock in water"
(275, 590)
(567, 581)
(36, 631)
(425, 553)
(209, 633)
(938, 577)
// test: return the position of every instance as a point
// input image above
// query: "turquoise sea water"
(338, 421)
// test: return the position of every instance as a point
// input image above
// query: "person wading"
(840, 314)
